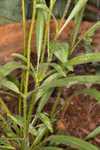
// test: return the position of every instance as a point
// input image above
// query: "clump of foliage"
(28, 131)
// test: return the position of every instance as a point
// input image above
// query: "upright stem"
(46, 31)
(27, 74)
(23, 72)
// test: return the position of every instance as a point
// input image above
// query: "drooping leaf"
(44, 99)
(4, 147)
(8, 68)
(93, 133)
(32, 130)
(92, 92)
(50, 148)
(23, 58)
(46, 121)
(84, 58)
(73, 142)
(10, 85)
(13, 79)
(88, 33)
(72, 80)
(49, 79)
(41, 133)
(4, 106)
(60, 51)
(17, 119)
(56, 66)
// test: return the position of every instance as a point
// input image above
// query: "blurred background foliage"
(10, 10)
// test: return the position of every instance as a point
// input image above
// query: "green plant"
(29, 131)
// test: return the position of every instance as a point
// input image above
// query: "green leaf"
(92, 92)
(32, 130)
(4, 147)
(72, 80)
(13, 79)
(8, 68)
(17, 119)
(39, 32)
(41, 133)
(84, 58)
(61, 51)
(89, 33)
(49, 79)
(50, 148)
(46, 121)
(4, 106)
(10, 85)
(80, 4)
(10, 11)
(24, 59)
(93, 133)
(73, 142)
(44, 100)
(57, 67)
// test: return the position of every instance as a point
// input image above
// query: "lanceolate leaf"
(84, 58)
(23, 58)
(46, 121)
(4, 147)
(92, 92)
(50, 148)
(73, 142)
(44, 99)
(93, 133)
(17, 119)
(42, 132)
(72, 80)
(56, 66)
(39, 32)
(4, 106)
(8, 68)
(80, 4)
(10, 85)
(61, 51)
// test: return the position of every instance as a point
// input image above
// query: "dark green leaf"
(73, 142)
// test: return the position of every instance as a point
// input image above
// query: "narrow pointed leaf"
(46, 121)
(73, 142)
(92, 92)
(10, 85)
(57, 67)
(80, 4)
(44, 100)
(4, 147)
(93, 133)
(61, 51)
(24, 59)
(51, 148)
(17, 119)
(39, 32)
(42, 132)
(4, 106)
(8, 68)
(72, 80)
(84, 58)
